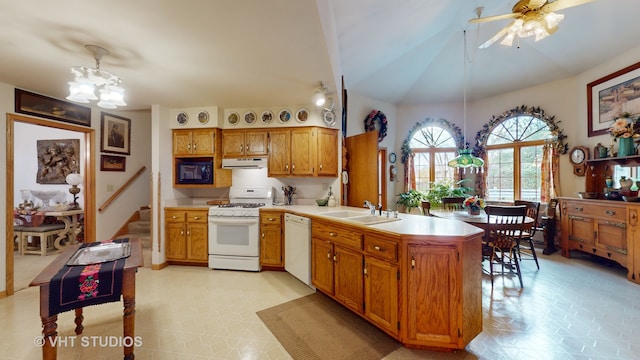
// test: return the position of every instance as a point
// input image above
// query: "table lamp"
(74, 180)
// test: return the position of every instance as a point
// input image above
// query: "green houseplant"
(410, 199)
(446, 188)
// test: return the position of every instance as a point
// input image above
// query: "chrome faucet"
(371, 207)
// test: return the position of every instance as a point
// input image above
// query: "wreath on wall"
(376, 120)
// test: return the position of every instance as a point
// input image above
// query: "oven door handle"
(232, 221)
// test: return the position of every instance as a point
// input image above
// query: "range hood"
(244, 163)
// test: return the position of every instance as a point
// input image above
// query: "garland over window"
(441, 123)
(376, 120)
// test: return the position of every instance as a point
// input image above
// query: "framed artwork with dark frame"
(611, 96)
(112, 163)
(50, 108)
(115, 134)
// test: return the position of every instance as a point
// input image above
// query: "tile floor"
(570, 309)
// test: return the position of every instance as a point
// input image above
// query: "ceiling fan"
(531, 18)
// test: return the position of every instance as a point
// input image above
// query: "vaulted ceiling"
(244, 53)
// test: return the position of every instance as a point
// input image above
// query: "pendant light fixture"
(465, 160)
(86, 80)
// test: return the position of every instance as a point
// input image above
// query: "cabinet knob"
(333, 234)
(579, 208)
(262, 235)
(329, 255)
(189, 146)
(194, 146)
(174, 217)
(181, 231)
(271, 219)
(241, 147)
(377, 248)
(286, 167)
(293, 166)
(320, 166)
(247, 148)
(196, 218)
(610, 212)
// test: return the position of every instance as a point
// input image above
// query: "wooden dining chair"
(525, 242)
(547, 225)
(426, 208)
(505, 225)
(452, 203)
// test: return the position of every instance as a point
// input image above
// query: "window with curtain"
(518, 155)
(428, 148)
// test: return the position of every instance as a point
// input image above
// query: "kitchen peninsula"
(417, 278)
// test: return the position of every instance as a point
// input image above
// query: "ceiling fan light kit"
(319, 96)
(532, 18)
(86, 80)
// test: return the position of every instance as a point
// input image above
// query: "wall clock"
(578, 157)
(392, 158)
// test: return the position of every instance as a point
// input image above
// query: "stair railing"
(121, 189)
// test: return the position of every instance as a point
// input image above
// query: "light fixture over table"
(86, 80)
(465, 159)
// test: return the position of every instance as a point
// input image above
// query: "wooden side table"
(49, 325)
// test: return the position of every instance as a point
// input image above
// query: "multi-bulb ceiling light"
(533, 23)
(319, 97)
(87, 80)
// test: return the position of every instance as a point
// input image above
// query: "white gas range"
(234, 229)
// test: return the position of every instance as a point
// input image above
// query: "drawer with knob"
(381, 248)
(335, 234)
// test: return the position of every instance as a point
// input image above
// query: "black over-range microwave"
(194, 171)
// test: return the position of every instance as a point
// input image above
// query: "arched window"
(514, 151)
(427, 150)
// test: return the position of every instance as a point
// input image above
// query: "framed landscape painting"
(42, 106)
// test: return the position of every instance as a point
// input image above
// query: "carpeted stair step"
(141, 226)
(145, 214)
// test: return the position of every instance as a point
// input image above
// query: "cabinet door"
(433, 302)
(181, 142)
(303, 152)
(255, 143)
(197, 242)
(322, 265)
(581, 229)
(381, 294)
(232, 143)
(348, 278)
(279, 153)
(327, 152)
(271, 245)
(176, 248)
(202, 142)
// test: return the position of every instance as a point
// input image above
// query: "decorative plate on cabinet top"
(284, 115)
(182, 118)
(250, 117)
(203, 117)
(266, 117)
(233, 118)
(302, 115)
(329, 117)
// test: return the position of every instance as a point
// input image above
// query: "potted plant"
(410, 200)
(446, 188)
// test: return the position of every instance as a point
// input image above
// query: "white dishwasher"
(297, 247)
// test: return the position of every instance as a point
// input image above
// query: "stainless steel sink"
(345, 214)
(371, 219)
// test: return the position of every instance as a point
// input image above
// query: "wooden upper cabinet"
(241, 143)
(193, 142)
(327, 152)
(279, 153)
(305, 151)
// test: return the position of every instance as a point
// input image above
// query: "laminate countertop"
(406, 224)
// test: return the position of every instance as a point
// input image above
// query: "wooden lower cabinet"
(425, 295)
(598, 228)
(186, 234)
(381, 294)
(603, 228)
(271, 240)
(432, 306)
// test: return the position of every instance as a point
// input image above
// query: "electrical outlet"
(109, 188)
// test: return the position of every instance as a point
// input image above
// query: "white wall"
(25, 168)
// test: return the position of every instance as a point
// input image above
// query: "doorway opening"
(88, 183)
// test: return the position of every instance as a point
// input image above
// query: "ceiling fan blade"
(494, 18)
(563, 4)
(495, 37)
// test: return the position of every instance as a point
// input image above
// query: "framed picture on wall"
(112, 163)
(115, 134)
(611, 96)
(50, 108)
